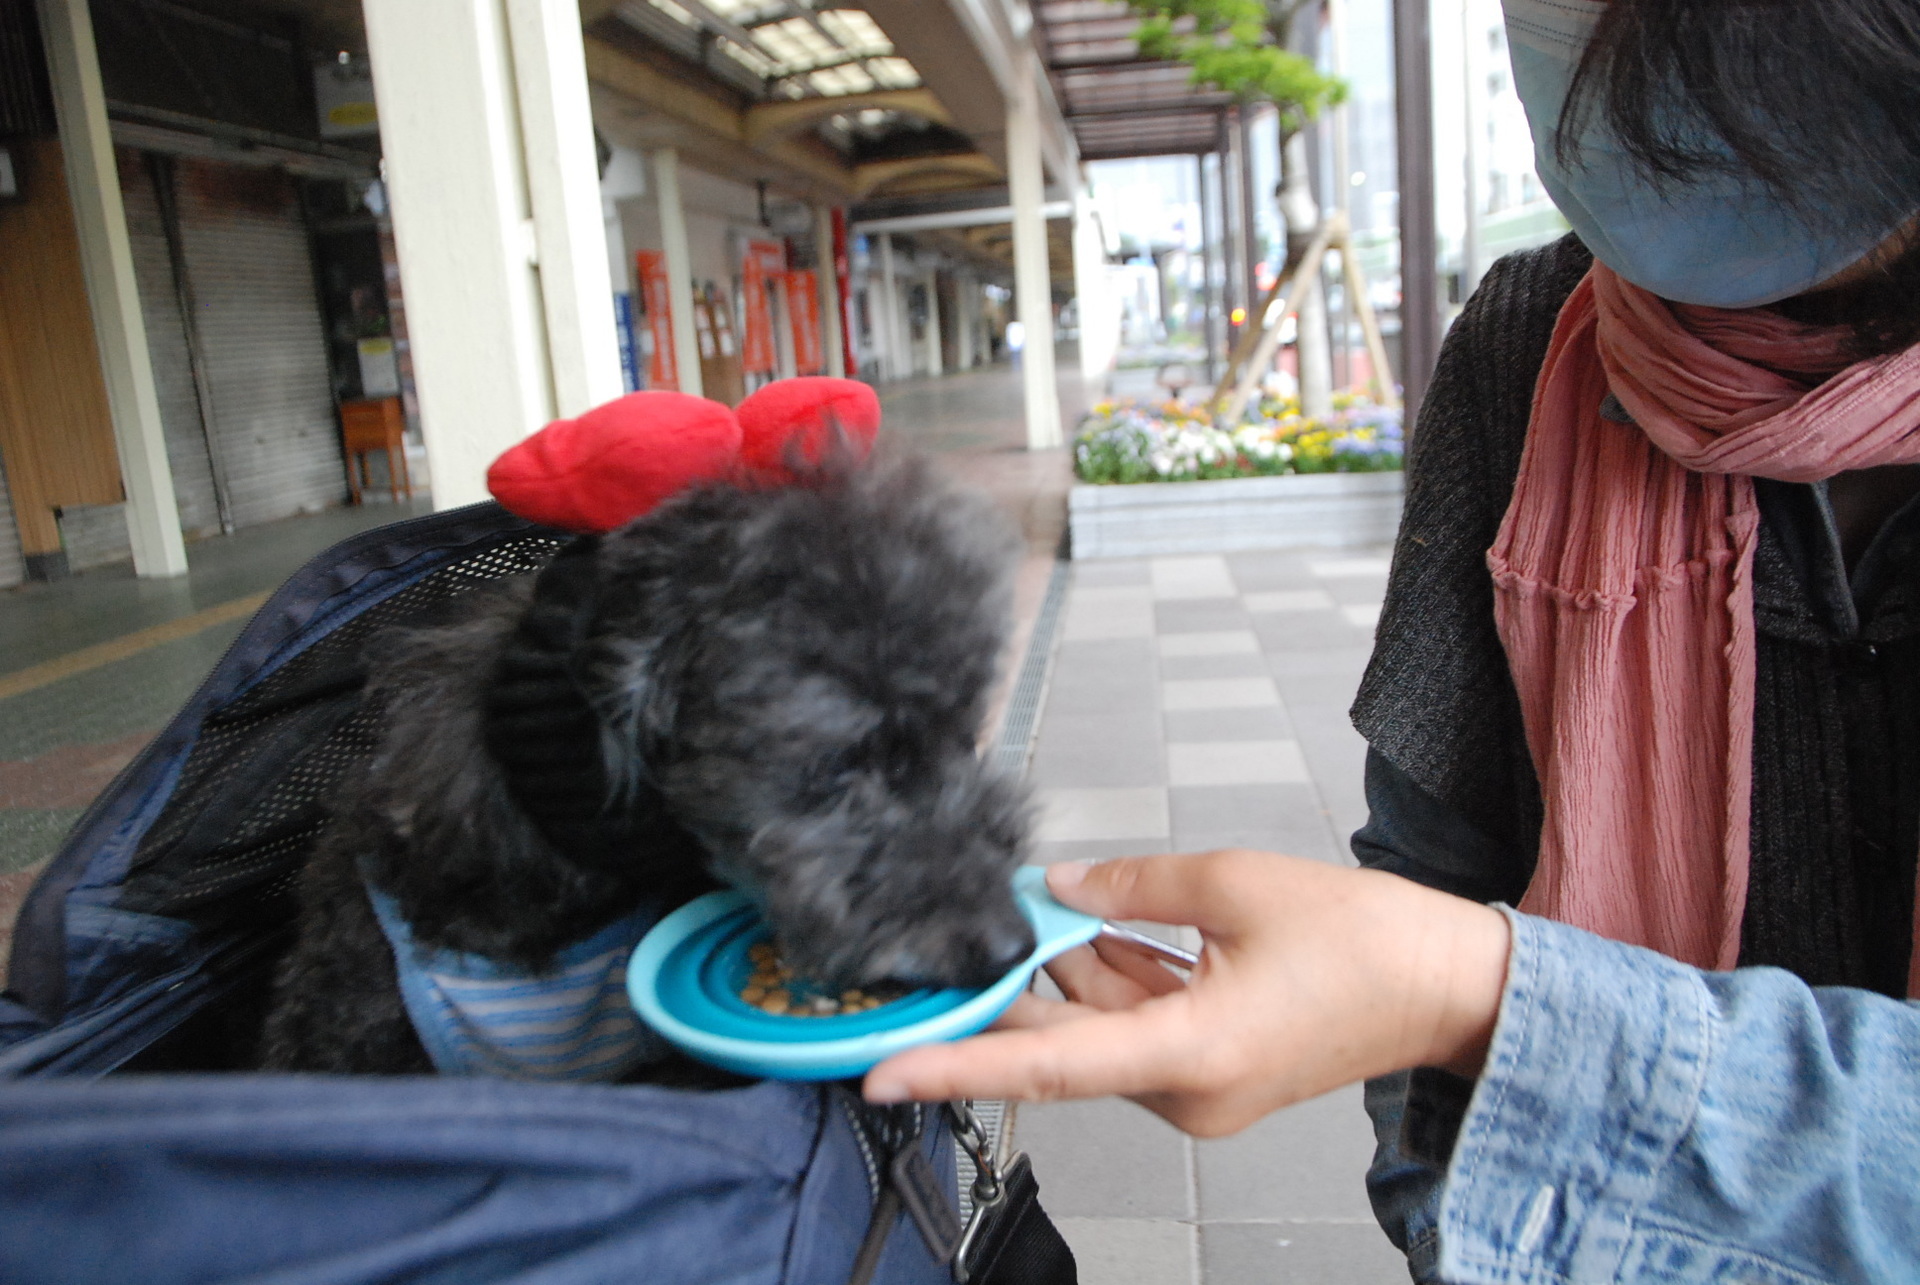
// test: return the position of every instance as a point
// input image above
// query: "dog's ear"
(540, 727)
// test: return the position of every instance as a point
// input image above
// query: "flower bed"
(1126, 442)
(1278, 481)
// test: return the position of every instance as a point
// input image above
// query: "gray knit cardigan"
(1836, 812)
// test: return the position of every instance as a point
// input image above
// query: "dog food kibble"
(772, 988)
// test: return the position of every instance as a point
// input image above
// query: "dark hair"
(1819, 98)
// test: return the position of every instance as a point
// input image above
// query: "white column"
(113, 297)
(965, 288)
(450, 126)
(934, 356)
(1033, 287)
(830, 306)
(1099, 311)
(887, 327)
(563, 179)
(679, 260)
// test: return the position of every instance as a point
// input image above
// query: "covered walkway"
(96, 664)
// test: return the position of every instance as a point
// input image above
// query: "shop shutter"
(167, 346)
(13, 567)
(261, 333)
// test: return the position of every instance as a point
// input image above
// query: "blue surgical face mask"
(1721, 237)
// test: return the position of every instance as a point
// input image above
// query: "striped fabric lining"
(476, 1016)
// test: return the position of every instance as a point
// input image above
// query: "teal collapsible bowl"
(686, 974)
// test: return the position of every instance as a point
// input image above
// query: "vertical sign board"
(803, 314)
(624, 340)
(650, 269)
(843, 282)
(765, 262)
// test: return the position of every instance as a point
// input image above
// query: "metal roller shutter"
(167, 344)
(13, 568)
(260, 330)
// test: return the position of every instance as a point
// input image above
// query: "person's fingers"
(1203, 889)
(1030, 1011)
(1140, 1050)
(1139, 967)
(1087, 978)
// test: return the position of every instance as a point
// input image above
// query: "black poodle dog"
(776, 688)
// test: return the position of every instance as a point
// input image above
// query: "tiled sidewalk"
(1199, 703)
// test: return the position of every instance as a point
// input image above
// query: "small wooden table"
(375, 424)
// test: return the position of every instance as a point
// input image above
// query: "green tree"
(1244, 48)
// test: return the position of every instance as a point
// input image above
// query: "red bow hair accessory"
(620, 460)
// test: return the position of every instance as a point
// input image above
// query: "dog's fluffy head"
(801, 673)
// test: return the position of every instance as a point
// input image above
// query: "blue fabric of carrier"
(569, 1022)
(319, 1180)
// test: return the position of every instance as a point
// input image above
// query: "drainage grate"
(1023, 706)
(1011, 755)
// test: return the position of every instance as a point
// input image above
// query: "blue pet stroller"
(135, 1147)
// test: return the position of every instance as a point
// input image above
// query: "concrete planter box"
(1323, 510)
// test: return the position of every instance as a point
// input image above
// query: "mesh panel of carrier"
(253, 795)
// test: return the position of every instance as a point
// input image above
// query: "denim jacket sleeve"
(1640, 1120)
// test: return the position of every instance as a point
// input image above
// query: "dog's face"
(802, 674)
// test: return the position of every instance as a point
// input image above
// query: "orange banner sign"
(765, 262)
(803, 314)
(656, 301)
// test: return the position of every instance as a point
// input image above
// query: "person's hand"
(1311, 977)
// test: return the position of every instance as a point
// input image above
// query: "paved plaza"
(1199, 703)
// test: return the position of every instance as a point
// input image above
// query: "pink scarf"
(1624, 591)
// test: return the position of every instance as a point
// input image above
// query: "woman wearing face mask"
(1649, 666)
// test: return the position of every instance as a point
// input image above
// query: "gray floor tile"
(1102, 668)
(1199, 577)
(1109, 572)
(1362, 615)
(1090, 691)
(1068, 816)
(1261, 723)
(1308, 1162)
(1094, 659)
(1349, 566)
(1199, 615)
(1281, 635)
(1116, 612)
(1220, 809)
(1131, 1251)
(1136, 722)
(1218, 693)
(1106, 1159)
(1228, 642)
(1085, 764)
(1286, 601)
(1342, 657)
(1299, 1254)
(1046, 854)
(1334, 751)
(1270, 570)
(1356, 589)
(1244, 666)
(1236, 763)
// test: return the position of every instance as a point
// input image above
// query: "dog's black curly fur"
(781, 688)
